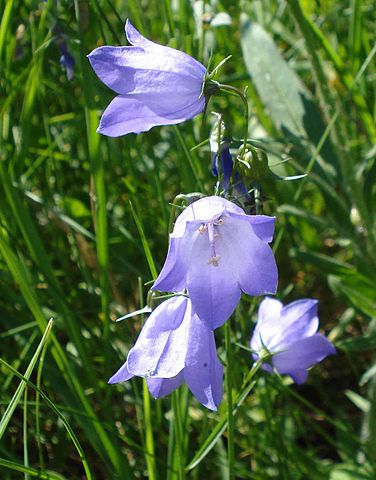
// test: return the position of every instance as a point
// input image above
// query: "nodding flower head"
(288, 333)
(156, 85)
(216, 251)
(175, 346)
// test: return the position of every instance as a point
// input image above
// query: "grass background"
(84, 222)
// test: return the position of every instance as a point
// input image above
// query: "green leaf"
(324, 263)
(358, 290)
(283, 94)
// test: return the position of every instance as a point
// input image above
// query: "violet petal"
(160, 387)
(203, 372)
(129, 115)
(301, 355)
(162, 344)
(212, 286)
(122, 375)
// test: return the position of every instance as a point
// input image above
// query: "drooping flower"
(175, 346)
(157, 85)
(67, 62)
(238, 189)
(221, 160)
(225, 167)
(216, 251)
(289, 334)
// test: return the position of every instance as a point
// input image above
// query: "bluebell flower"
(67, 61)
(288, 333)
(221, 160)
(216, 251)
(175, 346)
(157, 85)
(226, 165)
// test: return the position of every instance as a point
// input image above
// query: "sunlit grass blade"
(33, 472)
(25, 434)
(148, 254)
(100, 437)
(21, 387)
(4, 25)
(70, 432)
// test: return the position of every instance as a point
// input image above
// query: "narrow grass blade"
(221, 426)
(47, 475)
(148, 254)
(71, 434)
(100, 437)
(25, 435)
(21, 388)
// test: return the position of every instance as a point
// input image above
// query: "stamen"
(214, 261)
(210, 227)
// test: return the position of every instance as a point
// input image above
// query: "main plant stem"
(230, 417)
(236, 91)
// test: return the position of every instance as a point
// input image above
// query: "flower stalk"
(236, 91)
(230, 416)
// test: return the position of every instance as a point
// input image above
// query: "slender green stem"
(236, 91)
(230, 416)
(178, 432)
(37, 407)
(221, 426)
(149, 439)
(256, 194)
(25, 446)
(196, 168)
(148, 421)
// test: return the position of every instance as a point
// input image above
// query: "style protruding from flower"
(288, 333)
(175, 346)
(156, 85)
(216, 251)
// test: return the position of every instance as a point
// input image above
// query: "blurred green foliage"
(84, 223)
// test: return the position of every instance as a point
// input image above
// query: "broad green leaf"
(285, 97)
